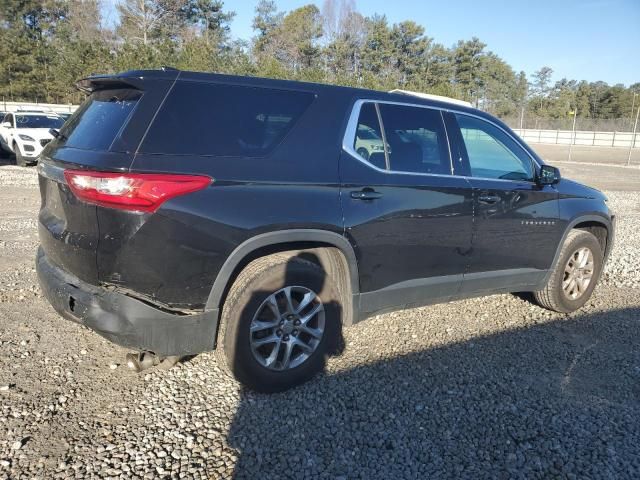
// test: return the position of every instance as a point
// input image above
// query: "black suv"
(184, 212)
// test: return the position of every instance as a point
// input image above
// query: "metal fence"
(580, 137)
(51, 107)
(531, 122)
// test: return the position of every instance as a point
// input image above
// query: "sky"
(579, 39)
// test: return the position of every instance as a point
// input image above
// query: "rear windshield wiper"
(56, 134)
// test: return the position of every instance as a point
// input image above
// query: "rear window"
(224, 120)
(96, 124)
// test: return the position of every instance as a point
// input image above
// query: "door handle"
(490, 199)
(365, 194)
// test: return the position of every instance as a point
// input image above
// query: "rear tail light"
(139, 192)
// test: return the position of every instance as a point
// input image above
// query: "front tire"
(280, 321)
(574, 275)
(20, 160)
(363, 152)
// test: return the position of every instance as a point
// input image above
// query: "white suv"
(26, 133)
(368, 142)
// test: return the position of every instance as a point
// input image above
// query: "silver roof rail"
(428, 96)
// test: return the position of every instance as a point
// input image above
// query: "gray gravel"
(483, 388)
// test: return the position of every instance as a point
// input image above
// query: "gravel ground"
(483, 388)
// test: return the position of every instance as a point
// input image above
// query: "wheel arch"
(335, 252)
(598, 229)
(590, 223)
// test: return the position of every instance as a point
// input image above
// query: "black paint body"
(427, 238)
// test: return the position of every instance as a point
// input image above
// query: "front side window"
(491, 152)
(224, 120)
(416, 139)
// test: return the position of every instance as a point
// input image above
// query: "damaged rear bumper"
(124, 320)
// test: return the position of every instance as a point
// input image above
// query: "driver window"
(491, 152)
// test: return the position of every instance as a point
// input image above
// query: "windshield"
(38, 121)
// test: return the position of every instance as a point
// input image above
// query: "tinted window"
(368, 142)
(38, 121)
(225, 120)
(96, 124)
(491, 152)
(416, 139)
(8, 118)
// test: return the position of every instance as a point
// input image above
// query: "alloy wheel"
(287, 328)
(578, 273)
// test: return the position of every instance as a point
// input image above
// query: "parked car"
(184, 212)
(65, 116)
(368, 142)
(26, 133)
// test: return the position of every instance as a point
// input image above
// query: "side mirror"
(548, 175)
(6, 124)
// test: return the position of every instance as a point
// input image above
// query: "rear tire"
(259, 282)
(561, 293)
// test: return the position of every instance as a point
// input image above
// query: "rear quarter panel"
(174, 255)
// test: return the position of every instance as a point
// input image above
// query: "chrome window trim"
(352, 126)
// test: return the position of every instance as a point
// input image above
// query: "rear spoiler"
(131, 79)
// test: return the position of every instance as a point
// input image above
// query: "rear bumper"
(122, 319)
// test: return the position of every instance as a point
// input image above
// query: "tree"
(46, 45)
(409, 47)
(209, 18)
(266, 23)
(467, 57)
(146, 21)
(345, 32)
(294, 42)
(540, 84)
(497, 85)
(83, 21)
(27, 28)
(377, 54)
(80, 47)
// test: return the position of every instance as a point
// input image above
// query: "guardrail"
(52, 107)
(568, 137)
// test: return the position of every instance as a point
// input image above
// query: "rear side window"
(96, 124)
(416, 139)
(368, 142)
(224, 120)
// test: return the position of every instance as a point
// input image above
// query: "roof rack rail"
(167, 68)
(428, 96)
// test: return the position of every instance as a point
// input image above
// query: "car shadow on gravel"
(558, 399)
